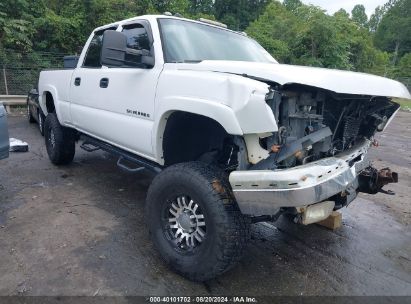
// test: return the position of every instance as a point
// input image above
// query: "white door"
(116, 104)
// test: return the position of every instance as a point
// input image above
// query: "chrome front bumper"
(263, 192)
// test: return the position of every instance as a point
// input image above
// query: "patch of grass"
(405, 103)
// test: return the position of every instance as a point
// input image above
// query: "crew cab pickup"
(234, 136)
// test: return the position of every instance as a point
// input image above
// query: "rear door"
(4, 134)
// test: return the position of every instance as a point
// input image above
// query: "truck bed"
(58, 83)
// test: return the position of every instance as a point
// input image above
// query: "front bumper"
(264, 192)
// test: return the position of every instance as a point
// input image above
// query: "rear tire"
(60, 141)
(195, 222)
(29, 116)
(41, 119)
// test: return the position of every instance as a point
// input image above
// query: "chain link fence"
(19, 72)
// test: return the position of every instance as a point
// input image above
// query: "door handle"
(77, 81)
(103, 82)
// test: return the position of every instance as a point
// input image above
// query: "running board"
(126, 168)
(91, 144)
(86, 146)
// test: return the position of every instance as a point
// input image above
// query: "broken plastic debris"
(17, 145)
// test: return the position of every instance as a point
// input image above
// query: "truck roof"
(153, 17)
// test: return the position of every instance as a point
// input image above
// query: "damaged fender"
(237, 103)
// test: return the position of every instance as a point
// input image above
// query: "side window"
(93, 55)
(137, 37)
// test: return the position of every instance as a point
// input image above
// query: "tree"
(394, 31)
(375, 18)
(359, 16)
(291, 31)
(201, 7)
(15, 24)
(173, 6)
(342, 13)
(305, 35)
(274, 30)
(237, 14)
(292, 5)
(404, 66)
(318, 41)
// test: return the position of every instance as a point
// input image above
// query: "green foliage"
(404, 66)
(60, 33)
(201, 7)
(237, 14)
(359, 16)
(318, 41)
(173, 6)
(341, 13)
(15, 25)
(375, 18)
(394, 31)
(303, 34)
(273, 30)
(292, 5)
(291, 31)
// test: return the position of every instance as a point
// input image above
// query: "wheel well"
(50, 103)
(189, 137)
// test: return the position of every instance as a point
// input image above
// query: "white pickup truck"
(234, 136)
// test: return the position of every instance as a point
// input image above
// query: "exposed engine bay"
(316, 161)
(314, 124)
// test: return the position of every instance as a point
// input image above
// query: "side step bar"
(91, 144)
(86, 146)
(126, 168)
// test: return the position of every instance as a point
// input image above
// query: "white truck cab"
(234, 136)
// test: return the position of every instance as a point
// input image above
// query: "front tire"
(195, 222)
(60, 141)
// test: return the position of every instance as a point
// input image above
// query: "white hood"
(334, 80)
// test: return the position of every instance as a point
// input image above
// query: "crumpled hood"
(338, 81)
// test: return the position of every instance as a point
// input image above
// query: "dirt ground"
(80, 230)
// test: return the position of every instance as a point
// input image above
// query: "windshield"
(185, 41)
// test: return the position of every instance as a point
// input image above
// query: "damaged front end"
(318, 155)
(314, 124)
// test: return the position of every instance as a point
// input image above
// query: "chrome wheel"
(186, 225)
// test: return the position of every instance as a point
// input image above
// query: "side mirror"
(113, 50)
(115, 53)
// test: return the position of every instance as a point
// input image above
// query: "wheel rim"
(28, 111)
(184, 223)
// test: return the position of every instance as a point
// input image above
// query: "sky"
(334, 5)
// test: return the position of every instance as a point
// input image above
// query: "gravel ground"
(80, 230)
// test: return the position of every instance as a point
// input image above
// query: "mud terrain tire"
(224, 230)
(60, 141)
